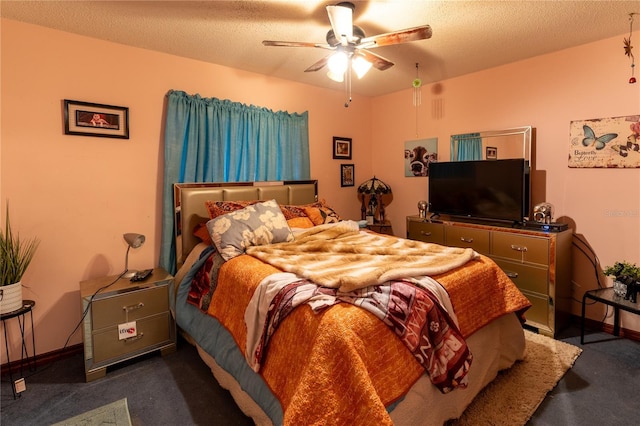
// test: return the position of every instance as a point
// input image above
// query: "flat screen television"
(493, 190)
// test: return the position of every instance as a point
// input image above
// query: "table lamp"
(374, 188)
(135, 241)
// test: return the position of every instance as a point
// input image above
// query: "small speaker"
(543, 213)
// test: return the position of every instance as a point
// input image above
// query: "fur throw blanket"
(339, 255)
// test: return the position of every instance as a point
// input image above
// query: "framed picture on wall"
(89, 119)
(491, 152)
(347, 175)
(341, 148)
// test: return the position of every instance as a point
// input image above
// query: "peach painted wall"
(546, 92)
(80, 194)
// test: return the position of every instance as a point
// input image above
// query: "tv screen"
(486, 189)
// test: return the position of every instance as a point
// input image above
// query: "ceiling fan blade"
(341, 18)
(318, 65)
(397, 37)
(377, 61)
(295, 44)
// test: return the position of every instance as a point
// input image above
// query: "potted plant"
(15, 257)
(626, 279)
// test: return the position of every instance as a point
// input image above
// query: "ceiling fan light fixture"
(360, 65)
(338, 78)
(338, 62)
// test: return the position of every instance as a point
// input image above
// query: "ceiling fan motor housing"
(358, 34)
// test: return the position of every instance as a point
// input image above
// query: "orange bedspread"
(343, 366)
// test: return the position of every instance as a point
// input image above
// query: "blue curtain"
(466, 147)
(213, 140)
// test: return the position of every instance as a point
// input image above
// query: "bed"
(326, 359)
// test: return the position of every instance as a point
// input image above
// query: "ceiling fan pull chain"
(347, 82)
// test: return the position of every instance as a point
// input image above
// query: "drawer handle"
(511, 274)
(426, 233)
(133, 307)
(518, 248)
(134, 338)
(466, 240)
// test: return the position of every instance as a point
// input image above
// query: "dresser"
(125, 319)
(539, 263)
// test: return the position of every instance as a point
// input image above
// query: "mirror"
(493, 145)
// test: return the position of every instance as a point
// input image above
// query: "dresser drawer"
(521, 248)
(539, 310)
(129, 306)
(426, 231)
(152, 331)
(477, 239)
(526, 277)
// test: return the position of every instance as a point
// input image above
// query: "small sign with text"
(127, 330)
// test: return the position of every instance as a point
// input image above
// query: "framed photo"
(491, 152)
(347, 174)
(88, 119)
(418, 156)
(341, 148)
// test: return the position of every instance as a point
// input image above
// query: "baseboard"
(594, 325)
(42, 359)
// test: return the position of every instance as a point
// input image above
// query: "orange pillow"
(201, 232)
(300, 222)
(218, 208)
(323, 214)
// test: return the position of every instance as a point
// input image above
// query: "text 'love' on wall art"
(605, 142)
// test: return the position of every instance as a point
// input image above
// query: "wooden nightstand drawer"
(152, 331)
(426, 231)
(521, 248)
(129, 306)
(477, 239)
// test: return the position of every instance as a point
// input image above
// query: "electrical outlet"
(20, 385)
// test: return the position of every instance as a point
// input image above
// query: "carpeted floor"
(178, 389)
(114, 414)
(503, 401)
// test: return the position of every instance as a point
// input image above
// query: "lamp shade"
(374, 186)
(134, 240)
(338, 62)
(360, 65)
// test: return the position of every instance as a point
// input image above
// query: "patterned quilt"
(413, 312)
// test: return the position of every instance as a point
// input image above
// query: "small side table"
(381, 227)
(608, 297)
(27, 307)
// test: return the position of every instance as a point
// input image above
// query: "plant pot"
(10, 298)
(619, 288)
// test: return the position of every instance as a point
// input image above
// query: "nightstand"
(125, 320)
(381, 227)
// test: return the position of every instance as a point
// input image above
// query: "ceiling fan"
(350, 46)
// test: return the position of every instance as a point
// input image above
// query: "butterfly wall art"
(605, 142)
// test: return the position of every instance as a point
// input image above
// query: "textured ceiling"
(468, 36)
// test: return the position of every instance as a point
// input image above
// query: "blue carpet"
(115, 414)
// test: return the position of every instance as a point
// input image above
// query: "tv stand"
(538, 262)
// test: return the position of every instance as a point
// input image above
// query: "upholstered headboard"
(190, 210)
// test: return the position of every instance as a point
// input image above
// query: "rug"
(114, 414)
(514, 395)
